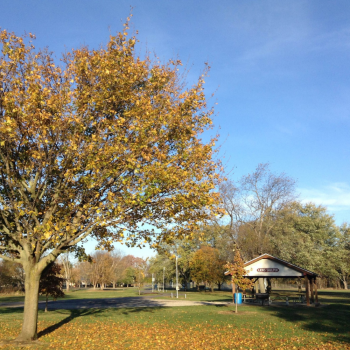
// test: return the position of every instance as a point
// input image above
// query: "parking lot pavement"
(127, 302)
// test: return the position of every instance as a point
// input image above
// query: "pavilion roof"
(282, 262)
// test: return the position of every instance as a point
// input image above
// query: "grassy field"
(191, 327)
(89, 293)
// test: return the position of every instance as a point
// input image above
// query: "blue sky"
(279, 69)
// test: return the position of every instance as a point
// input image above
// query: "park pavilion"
(267, 266)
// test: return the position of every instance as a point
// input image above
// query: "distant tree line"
(103, 269)
(110, 269)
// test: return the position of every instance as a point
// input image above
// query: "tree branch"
(10, 259)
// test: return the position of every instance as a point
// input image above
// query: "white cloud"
(336, 196)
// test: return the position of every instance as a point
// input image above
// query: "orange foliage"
(105, 144)
(237, 272)
(103, 140)
(133, 335)
(207, 266)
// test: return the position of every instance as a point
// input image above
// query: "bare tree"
(230, 196)
(83, 272)
(101, 269)
(65, 261)
(117, 267)
(252, 203)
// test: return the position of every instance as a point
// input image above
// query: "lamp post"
(139, 283)
(177, 280)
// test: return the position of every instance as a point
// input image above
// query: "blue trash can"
(238, 298)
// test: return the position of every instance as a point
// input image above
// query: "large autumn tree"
(104, 143)
(207, 266)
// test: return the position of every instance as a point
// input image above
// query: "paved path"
(126, 302)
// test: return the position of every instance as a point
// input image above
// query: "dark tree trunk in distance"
(47, 300)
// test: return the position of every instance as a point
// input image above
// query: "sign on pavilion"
(268, 266)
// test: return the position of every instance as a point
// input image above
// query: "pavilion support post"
(312, 290)
(307, 290)
(316, 295)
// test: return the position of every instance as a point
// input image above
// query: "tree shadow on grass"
(222, 305)
(332, 319)
(11, 310)
(72, 315)
(221, 300)
(90, 312)
(140, 310)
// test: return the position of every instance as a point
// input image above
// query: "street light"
(139, 282)
(177, 280)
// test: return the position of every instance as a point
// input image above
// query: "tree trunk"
(113, 285)
(31, 298)
(67, 285)
(345, 283)
(316, 295)
(47, 300)
(219, 286)
(101, 286)
(269, 286)
(312, 290)
(233, 292)
(236, 291)
(299, 285)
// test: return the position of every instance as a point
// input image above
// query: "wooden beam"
(316, 295)
(307, 290)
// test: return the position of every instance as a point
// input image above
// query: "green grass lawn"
(192, 327)
(196, 296)
(88, 293)
(91, 293)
